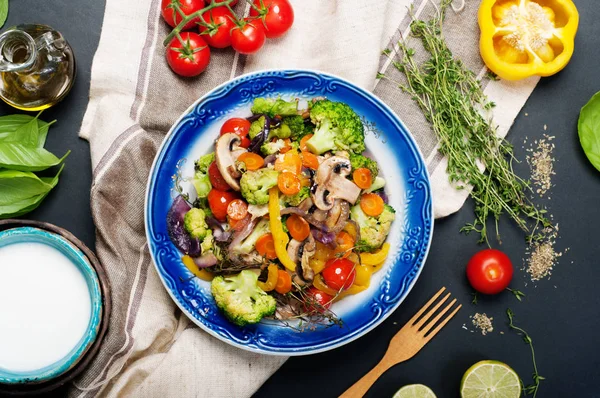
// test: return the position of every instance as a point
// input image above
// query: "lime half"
(490, 379)
(414, 391)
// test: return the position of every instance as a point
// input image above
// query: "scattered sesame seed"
(482, 322)
(541, 163)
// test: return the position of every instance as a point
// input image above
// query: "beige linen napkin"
(152, 349)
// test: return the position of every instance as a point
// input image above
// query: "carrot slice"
(284, 282)
(303, 142)
(298, 227)
(265, 246)
(362, 178)
(237, 209)
(371, 204)
(288, 183)
(310, 160)
(290, 161)
(345, 243)
(252, 160)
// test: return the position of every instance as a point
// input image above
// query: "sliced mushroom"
(308, 251)
(293, 249)
(331, 183)
(334, 214)
(227, 150)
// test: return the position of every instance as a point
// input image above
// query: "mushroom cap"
(331, 183)
(227, 150)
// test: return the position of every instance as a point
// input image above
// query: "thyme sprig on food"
(452, 100)
(533, 388)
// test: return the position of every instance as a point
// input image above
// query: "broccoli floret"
(297, 126)
(195, 224)
(373, 230)
(249, 243)
(240, 298)
(272, 107)
(256, 127)
(295, 200)
(359, 161)
(283, 131)
(256, 184)
(202, 164)
(201, 182)
(338, 127)
(271, 148)
(378, 183)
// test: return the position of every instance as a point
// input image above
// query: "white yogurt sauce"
(45, 306)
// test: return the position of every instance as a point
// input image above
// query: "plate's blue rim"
(392, 116)
(87, 270)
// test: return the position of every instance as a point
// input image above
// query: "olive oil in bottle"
(37, 67)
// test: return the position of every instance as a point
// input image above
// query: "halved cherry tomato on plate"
(339, 273)
(216, 178)
(239, 126)
(218, 201)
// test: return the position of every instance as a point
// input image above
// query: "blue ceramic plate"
(88, 333)
(388, 141)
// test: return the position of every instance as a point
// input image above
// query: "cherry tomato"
(277, 15)
(239, 126)
(189, 56)
(248, 37)
(339, 273)
(216, 179)
(171, 11)
(489, 271)
(220, 21)
(218, 201)
(319, 297)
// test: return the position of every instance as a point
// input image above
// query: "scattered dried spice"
(542, 256)
(482, 322)
(541, 163)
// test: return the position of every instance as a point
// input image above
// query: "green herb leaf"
(3, 12)
(589, 130)
(20, 157)
(24, 206)
(18, 185)
(28, 133)
(11, 125)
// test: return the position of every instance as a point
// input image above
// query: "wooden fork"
(407, 342)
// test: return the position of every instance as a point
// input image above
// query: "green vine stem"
(531, 389)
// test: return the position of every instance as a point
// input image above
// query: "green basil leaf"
(28, 133)
(3, 12)
(18, 185)
(27, 205)
(11, 129)
(20, 157)
(43, 128)
(589, 130)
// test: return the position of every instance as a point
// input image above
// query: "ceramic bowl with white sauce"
(50, 305)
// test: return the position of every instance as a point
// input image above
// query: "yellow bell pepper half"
(522, 38)
(279, 236)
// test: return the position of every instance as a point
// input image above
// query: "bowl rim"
(77, 257)
(52, 384)
(263, 72)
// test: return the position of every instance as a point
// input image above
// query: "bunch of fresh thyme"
(452, 100)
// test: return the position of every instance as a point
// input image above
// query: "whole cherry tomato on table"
(171, 11)
(339, 273)
(489, 271)
(277, 16)
(189, 56)
(218, 201)
(239, 126)
(217, 31)
(248, 36)
(216, 178)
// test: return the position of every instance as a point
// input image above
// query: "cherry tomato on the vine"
(339, 273)
(218, 201)
(248, 36)
(234, 2)
(239, 126)
(489, 271)
(216, 178)
(217, 31)
(171, 11)
(277, 15)
(189, 56)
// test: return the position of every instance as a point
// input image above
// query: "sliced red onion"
(206, 260)
(261, 137)
(179, 236)
(383, 195)
(218, 232)
(327, 238)
(239, 236)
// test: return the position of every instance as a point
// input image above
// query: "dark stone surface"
(561, 314)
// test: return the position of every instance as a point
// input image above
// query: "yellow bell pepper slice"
(194, 269)
(320, 284)
(377, 257)
(279, 236)
(271, 279)
(363, 275)
(522, 38)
